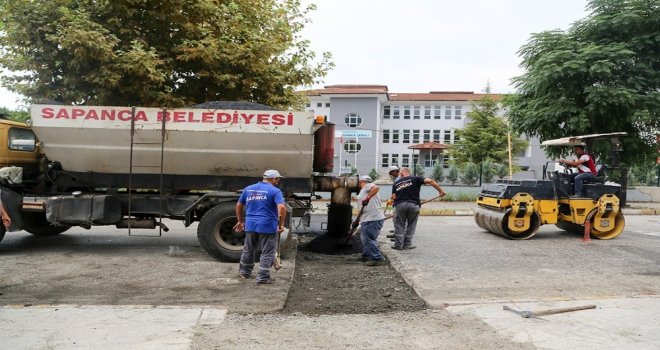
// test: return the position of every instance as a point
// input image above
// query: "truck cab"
(19, 149)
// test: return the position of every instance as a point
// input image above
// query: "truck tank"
(201, 148)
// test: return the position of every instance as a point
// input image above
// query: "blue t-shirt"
(261, 202)
(407, 189)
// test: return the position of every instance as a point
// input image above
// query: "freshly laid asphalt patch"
(326, 284)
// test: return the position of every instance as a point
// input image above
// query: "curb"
(470, 212)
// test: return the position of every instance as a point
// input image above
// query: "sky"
(425, 45)
(432, 45)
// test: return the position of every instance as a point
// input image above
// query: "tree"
(20, 116)
(158, 53)
(487, 172)
(452, 177)
(438, 173)
(601, 75)
(485, 137)
(470, 174)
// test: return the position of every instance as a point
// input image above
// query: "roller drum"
(496, 221)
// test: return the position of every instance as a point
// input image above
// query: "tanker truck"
(132, 167)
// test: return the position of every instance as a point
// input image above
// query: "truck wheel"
(216, 233)
(36, 224)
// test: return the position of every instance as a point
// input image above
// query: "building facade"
(374, 128)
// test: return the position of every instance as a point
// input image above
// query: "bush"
(501, 170)
(419, 170)
(438, 173)
(487, 172)
(373, 174)
(452, 177)
(470, 174)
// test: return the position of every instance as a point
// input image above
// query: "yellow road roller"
(516, 209)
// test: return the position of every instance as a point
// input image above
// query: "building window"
(385, 160)
(406, 136)
(386, 136)
(436, 135)
(308, 105)
(445, 161)
(395, 136)
(457, 112)
(319, 104)
(415, 159)
(415, 136)
(352, 147)
(417, 110)
(429, 161)
(436, 112)
(386, 112)
(406, 112)
(395, 159)
(405, 160)
(427, 112)
(396, 112)
(447, 112)
(447, 136)
(456, 138)
(353, 120)
(427, 135)
(327, 104)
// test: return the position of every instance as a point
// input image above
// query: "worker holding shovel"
(371, 221)
(406, 206)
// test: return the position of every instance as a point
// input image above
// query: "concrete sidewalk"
(104, 326)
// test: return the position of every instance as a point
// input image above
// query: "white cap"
(365, 178)
(272, 174)
(392, 168)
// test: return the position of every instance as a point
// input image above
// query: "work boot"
(395, 247)
(268, 281)
(409, 247)
(375, 262)
(390, 236)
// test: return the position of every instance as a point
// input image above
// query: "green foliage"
(19, 116)
(373, 174)
(470, 174)
(419, 170)
(158, 53)
(601, 75)
(460, 197)
(354, 171)
(643, 175)
(485, 137)
(438, 173)
(501, 170)
(452, 177)
(487, 172)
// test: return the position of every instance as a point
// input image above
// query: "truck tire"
(36, 224)
(216, 233)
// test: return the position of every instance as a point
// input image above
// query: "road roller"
(516, 209)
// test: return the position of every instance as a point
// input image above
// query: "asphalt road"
(167, 293)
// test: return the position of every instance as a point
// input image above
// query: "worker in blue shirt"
(264, 219)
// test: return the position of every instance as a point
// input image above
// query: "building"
(375, 127)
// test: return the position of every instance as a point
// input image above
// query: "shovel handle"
(562, 310)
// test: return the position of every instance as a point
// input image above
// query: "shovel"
(356, 226)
